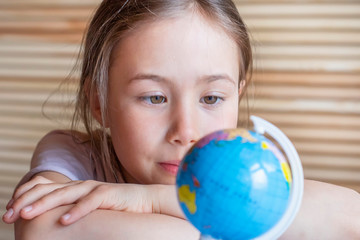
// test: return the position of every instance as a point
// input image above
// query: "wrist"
(165, 201)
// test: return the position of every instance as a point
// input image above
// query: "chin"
(171, 180)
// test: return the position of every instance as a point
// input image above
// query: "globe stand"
(261, 126)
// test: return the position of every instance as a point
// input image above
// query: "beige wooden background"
(307, 79)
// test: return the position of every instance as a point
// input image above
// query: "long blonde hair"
(111, 21)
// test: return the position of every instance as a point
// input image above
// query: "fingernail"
(27, 209)
(9, 213)
(66, 217)
(9, 204)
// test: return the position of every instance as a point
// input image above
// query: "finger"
(60, 196)
(26, 187)
(83, 207)
(8, 215)
(26, 199)
(23, 203)
(30, 184)
(9, 204)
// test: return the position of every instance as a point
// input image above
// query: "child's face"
(170, 83)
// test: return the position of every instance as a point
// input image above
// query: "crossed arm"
(327, 212)
(105, 224)
(104, 221)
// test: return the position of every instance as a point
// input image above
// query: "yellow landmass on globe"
(188, 198)
(264, 145)
(284, 165)
(241, 132)
(286, 171)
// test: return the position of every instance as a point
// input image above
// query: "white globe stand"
(297, 188)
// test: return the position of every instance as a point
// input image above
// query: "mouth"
(170, 167)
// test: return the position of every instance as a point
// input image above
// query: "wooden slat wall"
(306, 80)
(39, 41)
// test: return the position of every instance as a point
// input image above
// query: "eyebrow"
(206, 78)
(153, 77)
(212, 78)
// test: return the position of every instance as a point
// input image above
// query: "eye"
(155, 99)
(211, 100)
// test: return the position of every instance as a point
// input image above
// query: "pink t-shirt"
(59, 152)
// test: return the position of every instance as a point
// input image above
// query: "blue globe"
(234, 184)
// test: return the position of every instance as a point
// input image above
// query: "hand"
(40, 195)
(12, 213)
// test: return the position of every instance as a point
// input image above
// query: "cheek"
(129, 144)
(233, 119)
(230, 114)
(225, 120)
(125, 128)
(132, 129)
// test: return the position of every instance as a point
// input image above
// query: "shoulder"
(71, 151)
(64, 151)
(65, 137)
(63, 145)
(64, 141)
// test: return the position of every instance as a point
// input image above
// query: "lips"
(170, 167)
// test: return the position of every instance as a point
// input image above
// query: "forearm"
(327, 212)
(166, 201)
(105, 224)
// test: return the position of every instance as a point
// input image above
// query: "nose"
(184, 126)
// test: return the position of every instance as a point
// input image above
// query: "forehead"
(184, 44)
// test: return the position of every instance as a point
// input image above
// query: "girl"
(157, 75)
